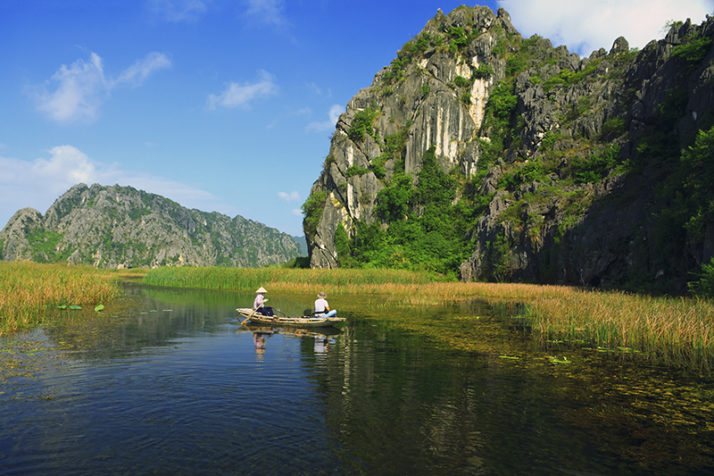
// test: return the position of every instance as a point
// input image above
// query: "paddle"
(251, 314)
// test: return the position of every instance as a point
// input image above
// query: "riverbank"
(680, 330)
(30, 292)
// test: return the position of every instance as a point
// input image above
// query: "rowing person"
(322, 308)
(259, 303)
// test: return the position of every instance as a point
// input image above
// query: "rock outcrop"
(574, 157)
(123, 227)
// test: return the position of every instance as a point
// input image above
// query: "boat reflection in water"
(322, 338)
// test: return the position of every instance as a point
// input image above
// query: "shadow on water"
(168, 381)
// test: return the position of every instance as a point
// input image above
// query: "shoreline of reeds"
(30, 292)
(680, 328)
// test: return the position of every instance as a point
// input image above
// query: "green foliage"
(425, 231)
(362, 124)
(355, 170)
(392, 201)
(377, 167)
(457, 38)
(136, 213)
(312, 209)
(549, 140)
(500, 111)
(568, 77)
(394, 145)
(425, 89)
(461, 82)
(582, 106)
(483, 71)
(343, 248)
(412, 49)
(43, 246)
(515, 64)
(697, 176)
(532, 171)
(612, 128)
(502, 102)
(694, 51)
(704, 285)
(595, 167)
(299, 262)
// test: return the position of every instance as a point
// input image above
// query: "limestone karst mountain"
(484, 154)
(121, 226)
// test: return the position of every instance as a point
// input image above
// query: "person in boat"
(260, 341)
(322, 307)
(259, 306)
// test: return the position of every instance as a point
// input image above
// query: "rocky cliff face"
(567, 166)
(121, 226)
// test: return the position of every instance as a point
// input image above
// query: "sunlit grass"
(248, 279)
(680, 328)
(29, 290)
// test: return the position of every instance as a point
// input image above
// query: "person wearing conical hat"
(322, 307)
(259, 303)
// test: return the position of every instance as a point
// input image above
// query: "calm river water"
(168, 382)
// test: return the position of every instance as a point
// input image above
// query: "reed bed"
(248, 279)
(681, 328)
(29, 290)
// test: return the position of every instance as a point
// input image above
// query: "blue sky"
(224, 106)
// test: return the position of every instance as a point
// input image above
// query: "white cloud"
(297, 212)
(139, 71)
(237, 95)
(40, 182)
(587, 25)
(177, 11)
(333, 116)
(76, 92)
(289, 197)
(269, 12)
(80, 90)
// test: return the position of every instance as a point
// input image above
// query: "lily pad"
(62, 306)
(509, 357)
(98, 308)
(75, 308)
(555, 360)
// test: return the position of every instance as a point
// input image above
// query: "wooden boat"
(285, 321)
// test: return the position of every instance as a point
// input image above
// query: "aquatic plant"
(29, 291)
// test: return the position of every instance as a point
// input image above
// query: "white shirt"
(321, 306)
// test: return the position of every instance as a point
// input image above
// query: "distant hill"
(302, 244)
(111, 226)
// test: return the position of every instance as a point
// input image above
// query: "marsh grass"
(29, 292)
(681, 330)
(248, 279)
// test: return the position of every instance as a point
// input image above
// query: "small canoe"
(284, 321)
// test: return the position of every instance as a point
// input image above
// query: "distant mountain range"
(114, 226)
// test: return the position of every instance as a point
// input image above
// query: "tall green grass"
(249, 279)
(29, 290)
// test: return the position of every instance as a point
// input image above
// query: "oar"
(251, 314)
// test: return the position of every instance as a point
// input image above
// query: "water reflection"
(171, 382)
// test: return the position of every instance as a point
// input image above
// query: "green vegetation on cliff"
(488, 156)
(425, 232)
